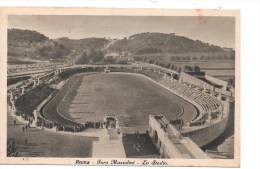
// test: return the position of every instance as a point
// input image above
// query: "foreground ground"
(46, 143)
(139, 146)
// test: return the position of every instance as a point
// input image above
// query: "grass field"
(132, 98)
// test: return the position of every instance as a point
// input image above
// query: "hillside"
(83, 44)
(26, 44)
(168, 47)
(85, 51)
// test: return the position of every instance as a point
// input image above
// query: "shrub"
(28, 102)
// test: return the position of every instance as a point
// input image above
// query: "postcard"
(114, 86)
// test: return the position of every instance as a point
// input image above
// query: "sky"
(214, 30)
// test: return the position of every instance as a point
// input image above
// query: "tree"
(83, 58)
(179, 69)
(231, 82)
(168, 65)
(109, 60)
(194, 58)
(151, 61)
(187, 68)
(196, 69)
(97, 56)
(172, 66)
(177, 58)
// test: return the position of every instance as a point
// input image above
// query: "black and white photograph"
(131, 88)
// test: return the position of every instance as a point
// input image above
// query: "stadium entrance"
(110, 122)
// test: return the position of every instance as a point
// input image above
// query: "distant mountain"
(27, 44)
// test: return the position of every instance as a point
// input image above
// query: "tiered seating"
(209, 104)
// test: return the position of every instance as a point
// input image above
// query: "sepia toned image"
(121, 87)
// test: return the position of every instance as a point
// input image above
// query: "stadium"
(124, 110)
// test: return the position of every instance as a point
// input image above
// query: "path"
(109, 145)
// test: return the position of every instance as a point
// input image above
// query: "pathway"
(109, 145)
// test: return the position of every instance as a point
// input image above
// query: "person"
(26, 141)
(26, 127)
(14, 122)
(23, 129)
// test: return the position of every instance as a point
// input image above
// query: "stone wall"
(184, 77)
(205, 135)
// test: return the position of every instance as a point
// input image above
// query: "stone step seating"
(209, 103)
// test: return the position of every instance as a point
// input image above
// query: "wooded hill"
(26, 44)
(148, 47)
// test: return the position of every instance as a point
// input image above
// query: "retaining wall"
(205, 135)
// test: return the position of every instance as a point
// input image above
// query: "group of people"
(76, 128)
(177, 122)
(90, 124)
(200, 122)
(44, 123)
(164, 127)
(50, 125)
(11, 149)
(69, 128)
(214, 115)
(26, 127)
